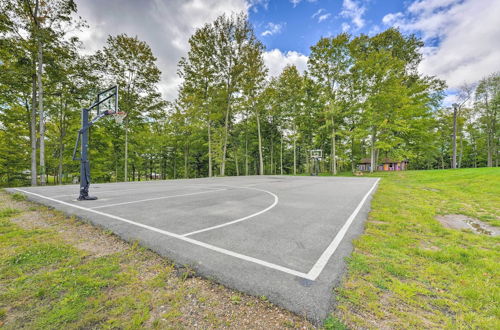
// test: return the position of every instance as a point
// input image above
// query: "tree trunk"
(460, 155)
(226, 132)
(60, 166)
(186, 156)
(246, 155)
(273, 169)
(353, 166)
(475, 152)
(33, 132)
(442, 158)
(454, 139)
(490, 136)
(43, 180)
(373, 153)
(125, 169)
(209, 129)
(261, 160)
(294, 153)
(281, 154)
(236, 162)
(175, 162)
(62, 133)
(334, 151)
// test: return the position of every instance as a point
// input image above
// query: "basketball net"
(119, 117)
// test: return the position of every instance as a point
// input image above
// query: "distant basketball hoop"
(316, 156)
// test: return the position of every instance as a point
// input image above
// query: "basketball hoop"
(119, 116)
(317, 154)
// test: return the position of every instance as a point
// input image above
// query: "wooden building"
(385, 164)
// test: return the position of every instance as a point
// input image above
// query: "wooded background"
(362, 96)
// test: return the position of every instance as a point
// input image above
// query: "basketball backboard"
(107, 100)
(317, 154)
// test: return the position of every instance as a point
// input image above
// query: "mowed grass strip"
(408, 271)
(57, 272)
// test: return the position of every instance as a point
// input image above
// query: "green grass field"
(408, 271)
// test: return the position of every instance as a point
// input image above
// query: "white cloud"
(296, 2)
(276, 61)
(323, 17)
(345, 27)
(390, 18)
(428, 6)
(353, 10)
(272, 28)
(320, 17)
(255, 3)
(318, 12)
(464, 37)
(165, 25)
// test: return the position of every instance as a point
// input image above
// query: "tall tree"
(38, 25)
(329, 63)
(234, 36)
(289, 105)
(252, 85)
(464, 94)
(197, 89)
(487, 105)
(130, 63)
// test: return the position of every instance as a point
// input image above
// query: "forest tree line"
(360, 97)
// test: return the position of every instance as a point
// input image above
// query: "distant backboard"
(317, 154)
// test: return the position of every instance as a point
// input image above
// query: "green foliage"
(361, 96)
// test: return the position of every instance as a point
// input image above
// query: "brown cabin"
(385, 164)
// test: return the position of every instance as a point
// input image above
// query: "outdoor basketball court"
(281, 237)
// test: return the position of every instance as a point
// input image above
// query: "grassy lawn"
(57, 272)
(408, 271)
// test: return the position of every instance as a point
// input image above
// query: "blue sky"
(462, 37)
(304, 23)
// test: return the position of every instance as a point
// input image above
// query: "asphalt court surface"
(279, 236)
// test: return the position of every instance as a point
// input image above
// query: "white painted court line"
(156, 198)
(182, 238)
(311, 275)
(276, 199)
(130, 189)
(98, 191)
(330, 250)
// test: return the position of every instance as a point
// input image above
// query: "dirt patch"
(79, 234)
(461, 222)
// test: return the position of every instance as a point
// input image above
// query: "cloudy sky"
(462, 37)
